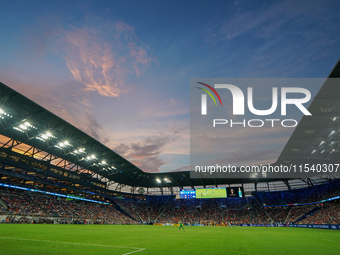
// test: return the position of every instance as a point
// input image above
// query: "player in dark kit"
(181, 226)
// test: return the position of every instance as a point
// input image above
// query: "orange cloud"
(103, 58)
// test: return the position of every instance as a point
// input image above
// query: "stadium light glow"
(322, 142)
(313, 151)
(23, 127)
(91, 157)
(79, 151)
(63, 144)
(334, 118)
(167, 180)
(45, 136)
(3, 114)
(18, 129)
(332, 133)
(158, 180)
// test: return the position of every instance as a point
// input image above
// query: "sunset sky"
(121, 70)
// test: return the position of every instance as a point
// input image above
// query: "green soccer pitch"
(141, 240)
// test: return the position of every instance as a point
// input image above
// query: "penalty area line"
(86, 244)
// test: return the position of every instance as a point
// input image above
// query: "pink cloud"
(103, 58)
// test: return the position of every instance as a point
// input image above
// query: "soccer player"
(181, 226)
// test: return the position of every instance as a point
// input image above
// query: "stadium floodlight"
(334, 118)
(46, 135)
(79, 151)
(313, 151)
(158, 180)
(91, 157)
(332, 133)
(322, 142)
(103, 162)
(167, 180)
(63, 144)
(3, 114)
(23, 127)
(18, 129)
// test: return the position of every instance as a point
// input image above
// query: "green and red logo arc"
(209, 93)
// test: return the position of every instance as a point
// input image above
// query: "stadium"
(63, 191)
(53, 173)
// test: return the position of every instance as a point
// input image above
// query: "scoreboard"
(211, 193)
(187, 193)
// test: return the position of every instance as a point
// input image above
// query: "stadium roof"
(316, 137)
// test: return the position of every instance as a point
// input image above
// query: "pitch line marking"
(98, 245)
(134, 251)
(331, 241)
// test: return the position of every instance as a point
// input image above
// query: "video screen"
(235, 192)
(187, 193)
(211, 193)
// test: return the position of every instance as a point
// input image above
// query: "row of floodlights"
(4, 114)
(323, 142)
(165, 180)
(25, 126)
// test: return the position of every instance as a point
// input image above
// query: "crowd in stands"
(23, 206)
(329, 213)
(29, 207)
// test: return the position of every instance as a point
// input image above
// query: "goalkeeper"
(181, 226)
